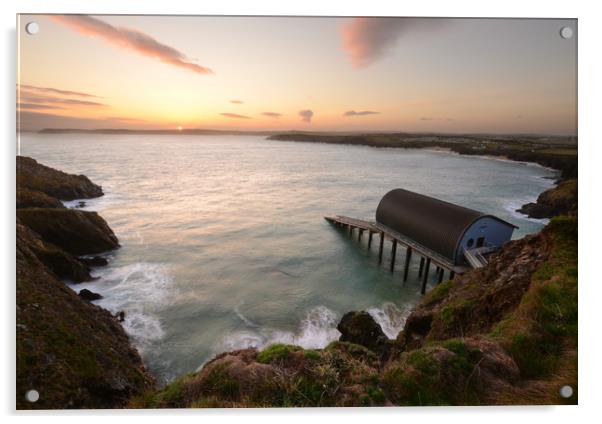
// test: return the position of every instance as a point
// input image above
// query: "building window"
(470, 242)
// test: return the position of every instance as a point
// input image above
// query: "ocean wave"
(513, 206)
(316, 331)
(141, 290)
(390, 317)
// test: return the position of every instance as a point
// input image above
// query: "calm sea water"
(223, 239)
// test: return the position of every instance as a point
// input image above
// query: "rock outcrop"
(75, 354)
(39, 178)
(560, 200)
(77, 232)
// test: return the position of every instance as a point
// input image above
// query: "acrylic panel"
(230, 211)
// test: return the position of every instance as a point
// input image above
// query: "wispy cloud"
(58, 100)
(235, 115)
(37, 106)
(360, 113)
(55, 91)
(130, 39)
(368, 39)
(306, 115)
(236, 102)
(275, 115)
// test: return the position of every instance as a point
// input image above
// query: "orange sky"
(340, 74)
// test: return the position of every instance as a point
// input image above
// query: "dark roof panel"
(431, 222)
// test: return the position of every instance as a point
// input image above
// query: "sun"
(180, 128)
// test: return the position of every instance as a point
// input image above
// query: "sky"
(298, 73)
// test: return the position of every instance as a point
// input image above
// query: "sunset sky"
(314, 74)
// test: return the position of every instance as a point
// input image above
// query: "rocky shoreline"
(503, 334)
(73, 353)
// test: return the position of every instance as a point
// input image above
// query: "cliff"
(503, 334)
(75, 354)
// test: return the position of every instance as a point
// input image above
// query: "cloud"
(55, 91)
(424, 118)
(306, 115)
(129, 39)
(236, 102)
(36, 106)
(57, 100)
(360, 113)
(274, 115)
(368, 39)
(235, 115)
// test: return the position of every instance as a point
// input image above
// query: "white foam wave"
(316, 330)
(390, 318)
(141, 290)
(513, 206)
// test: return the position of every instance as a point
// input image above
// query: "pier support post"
(360, 232)
(380, 249)
(440, 276)
(407, 264)
(369, 239)
(452, 274)
(425, 275)
(393, 254)
(421, 267)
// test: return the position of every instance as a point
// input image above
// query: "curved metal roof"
(433, 223)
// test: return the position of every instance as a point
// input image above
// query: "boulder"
(360, 328)
(77, 232)
(34, 176)
(94, 261)
(89, 295)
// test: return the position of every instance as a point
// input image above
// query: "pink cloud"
(236, 102)
(360, 113)
(235, 115)
(306, 115)
(55, 91)
(129, 39)
(272, 114)
(368, 39)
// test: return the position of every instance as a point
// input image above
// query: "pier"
(427, 256)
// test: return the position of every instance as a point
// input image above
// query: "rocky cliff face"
(75, 354)
(504, 334)
(560, 200)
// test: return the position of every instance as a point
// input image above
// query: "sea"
(223, 239)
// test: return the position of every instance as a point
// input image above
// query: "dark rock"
(61, 263)
(360, 328)
(89, 295)
(120, 316)
(77, 232)
(34, 176)
(94, 261)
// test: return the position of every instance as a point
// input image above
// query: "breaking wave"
(141, 290)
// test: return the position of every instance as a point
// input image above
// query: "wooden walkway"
(427, 256)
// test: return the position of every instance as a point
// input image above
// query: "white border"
(590, 155)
